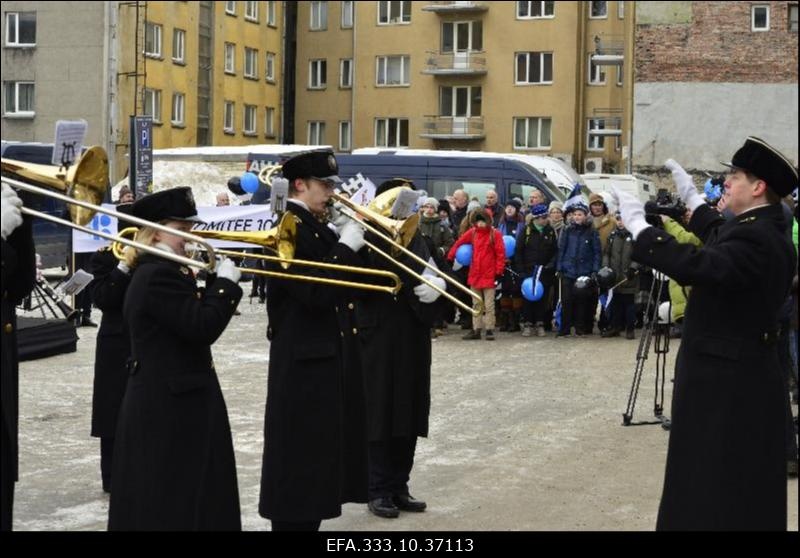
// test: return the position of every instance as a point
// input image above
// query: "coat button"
(222, 291)
(8, 328)
(199, 295)
(355, 331)
(337, 308)
(341, 333)
(350, 306)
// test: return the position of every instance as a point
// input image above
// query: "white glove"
(456, 265)
(632, 211)
(352, 235)
(226, 269)
(685, 186)
(10, 214)
(337, 217)
(427, 294)
(123, 267)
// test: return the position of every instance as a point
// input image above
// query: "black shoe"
(406, 502)
(262, 299)
(383, 507)
(629, 334)
(489, 335)
(791, 469)
(610, 333)
(87, 322)
(474, 334)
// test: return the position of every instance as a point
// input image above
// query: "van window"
(441, 188)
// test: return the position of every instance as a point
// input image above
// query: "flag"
(557, 317)
(574, 198)
(605, 301)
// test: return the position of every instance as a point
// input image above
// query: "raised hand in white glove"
(226, 269)
(632, 211)
(10, 214)
(427, 294)
(684, 185)
(352, 235)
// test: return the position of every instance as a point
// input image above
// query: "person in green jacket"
(678, 294)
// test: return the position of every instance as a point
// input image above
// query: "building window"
(391, 132)
(318, 74)
(460, 101)
(599, 10)
(344, 135)
(620, 10)
(250, 63)
(230, 58)
(390, 13)
(230, 8)
(269, 125)
(178, 107)
(251, 11)
(346, 73)
(392, 70)
(19, 98)
(793, 17)
(619, 74)
(229, 117)
(20, 29)
(179, 46)
(152, 39)
(597, 74)
(316, 133)
(593, 142)
(319, 16)
(534, 67)
(462, 36)
(535, 10)
(532, 133)
(271, 67)
(760, 18)
(250, 120)
(347, 15)
(271, 13)
(152, 104)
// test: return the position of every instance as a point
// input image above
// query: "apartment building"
(528, 77)
(709, 74)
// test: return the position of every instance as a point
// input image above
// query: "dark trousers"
(295, 525)
(390, 463)
(6, 481)
(83, 300)
(785, 359)
(573, 309)
(623, 312)
(539, 311)
(106, 453)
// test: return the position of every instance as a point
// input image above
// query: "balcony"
(456, 7)
(455, 64)
(453, 128)
(608, 51)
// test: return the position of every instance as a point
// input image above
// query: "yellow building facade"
(542, 78)
(210, 73)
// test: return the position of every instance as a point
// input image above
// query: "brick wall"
(718, 46)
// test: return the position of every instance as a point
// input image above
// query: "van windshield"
(442, 188)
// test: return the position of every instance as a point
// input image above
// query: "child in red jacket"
(488, 263)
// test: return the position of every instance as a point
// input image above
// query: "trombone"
(281, 240)
(85, 184)
(396, 232)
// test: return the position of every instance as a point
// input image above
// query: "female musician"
(174, 466)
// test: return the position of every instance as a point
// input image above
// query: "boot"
(489, 335)
(474, 334)
(540, 330)
(526, 331)
(515, 319)
(503, 319)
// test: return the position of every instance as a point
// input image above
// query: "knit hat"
(539, 210)
(578, 206)
(555, 205)
(444, 205)
(430, 201)
(515, 202)
(473, 205)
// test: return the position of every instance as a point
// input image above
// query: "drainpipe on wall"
(580, 86)
(353, 84)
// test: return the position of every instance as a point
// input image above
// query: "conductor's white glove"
(427, 294)
(632, 211)
(226, 269)
(352, 235)
(10, 214)
(684, 185)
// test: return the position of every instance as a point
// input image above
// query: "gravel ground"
(525, 434)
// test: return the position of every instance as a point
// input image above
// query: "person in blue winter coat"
(579, 254)
(510, 303)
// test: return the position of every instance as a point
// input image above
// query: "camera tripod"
(657, 334)
(45, 299)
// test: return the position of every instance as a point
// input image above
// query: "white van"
(636, 184)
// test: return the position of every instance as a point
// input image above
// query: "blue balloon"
(532, 291)
(511, 244)
(464, 254)
(249, 182)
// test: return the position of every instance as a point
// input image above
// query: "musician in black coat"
(726, 464)
(396, 350)
(18, 278)
(315, 430)
(174, 466)
(112, 349)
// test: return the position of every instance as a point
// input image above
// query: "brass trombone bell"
(265, 174)
(86, 180)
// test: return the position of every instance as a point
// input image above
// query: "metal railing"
(453, 127)
(455, 63)
(456, 6)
